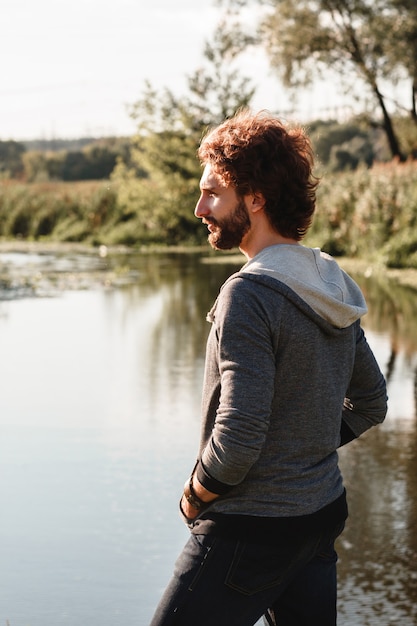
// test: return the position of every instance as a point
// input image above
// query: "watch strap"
(192, 498)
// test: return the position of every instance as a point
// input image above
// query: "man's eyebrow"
(208, 187)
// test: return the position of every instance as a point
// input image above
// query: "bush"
(369, 213)
(51, 210)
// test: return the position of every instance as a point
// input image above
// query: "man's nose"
(201, 208)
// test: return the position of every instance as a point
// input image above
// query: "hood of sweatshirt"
(315, 277)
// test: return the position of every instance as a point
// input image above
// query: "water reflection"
(378, 551)
(99, 420)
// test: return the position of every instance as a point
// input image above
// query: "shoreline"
(405, 276)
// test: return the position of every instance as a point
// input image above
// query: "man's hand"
(189, 511)
(194, 491)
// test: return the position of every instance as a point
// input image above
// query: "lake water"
(101, 362)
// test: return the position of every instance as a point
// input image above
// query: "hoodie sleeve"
(246, 367)
(366, 398)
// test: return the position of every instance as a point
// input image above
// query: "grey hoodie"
(316, 278)
(286, 359)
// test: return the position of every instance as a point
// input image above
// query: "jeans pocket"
(256, 567)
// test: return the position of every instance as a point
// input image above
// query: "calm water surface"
(99, 425)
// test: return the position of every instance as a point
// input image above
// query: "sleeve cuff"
(210, 483)
(346, 434)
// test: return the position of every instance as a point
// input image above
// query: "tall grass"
(367, 213)
(56, 211)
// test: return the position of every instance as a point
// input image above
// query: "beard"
(230, 230)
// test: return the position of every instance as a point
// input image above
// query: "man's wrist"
(192, 498)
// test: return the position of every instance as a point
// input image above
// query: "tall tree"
(404, 49)
(215, 91)
(11, 164)
(161, 182)
(352, 37)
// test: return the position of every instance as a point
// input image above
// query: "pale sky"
(71, 67)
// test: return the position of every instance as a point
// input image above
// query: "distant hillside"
(70, 145)
(86, 158)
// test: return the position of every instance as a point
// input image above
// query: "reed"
(57, 211)
(367, 213)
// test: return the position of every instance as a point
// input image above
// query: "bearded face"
(227, 233)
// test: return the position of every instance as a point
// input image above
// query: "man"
(289, 378)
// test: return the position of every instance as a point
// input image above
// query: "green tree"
(404, 49)
(344, 146)
(11, 163)
(158, 190)
(95, 161)
(101, 161)
(35, 166)
(373, 40)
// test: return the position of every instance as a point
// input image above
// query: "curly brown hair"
(258, 153)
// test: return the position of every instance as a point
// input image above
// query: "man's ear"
(256, 202)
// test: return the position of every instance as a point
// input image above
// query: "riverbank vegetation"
(365, 213)
(369, 213)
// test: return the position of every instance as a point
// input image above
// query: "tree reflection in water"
(378, 551)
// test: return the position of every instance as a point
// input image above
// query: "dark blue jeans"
(225, 582)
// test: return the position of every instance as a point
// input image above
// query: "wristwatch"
(192, 498)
